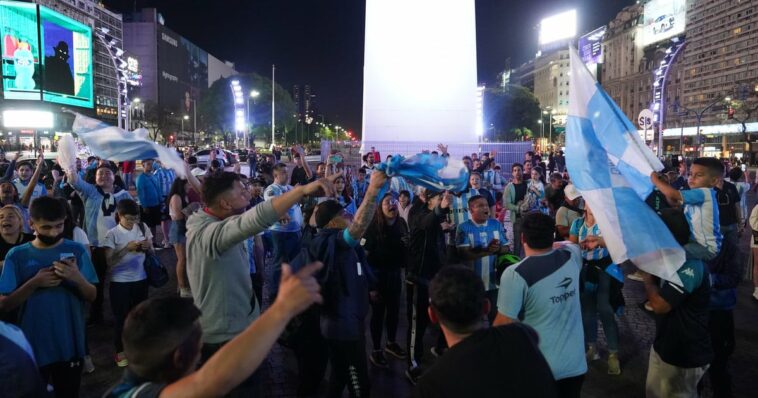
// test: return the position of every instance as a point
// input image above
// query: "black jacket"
(426, 243)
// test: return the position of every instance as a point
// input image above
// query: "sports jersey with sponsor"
(477, 236)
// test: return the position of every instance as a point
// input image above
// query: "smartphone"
(334, 159)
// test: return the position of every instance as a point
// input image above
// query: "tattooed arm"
(366, 211)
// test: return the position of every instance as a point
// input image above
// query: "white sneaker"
(89, 367)
(185, 292)
(755, 293)
(635, 276)
(592, 354)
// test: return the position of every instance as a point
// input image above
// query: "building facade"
(551, 84)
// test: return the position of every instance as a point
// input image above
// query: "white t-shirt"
(130, 268)
(81, 237)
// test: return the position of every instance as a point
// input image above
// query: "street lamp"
(185, 117)
(119, 65)
(699, 117)
(253, 94)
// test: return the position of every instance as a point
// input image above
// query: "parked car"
(313, 156)
(229, 158)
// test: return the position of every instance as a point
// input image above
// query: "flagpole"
(273, 105)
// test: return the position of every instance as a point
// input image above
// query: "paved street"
(636, 328)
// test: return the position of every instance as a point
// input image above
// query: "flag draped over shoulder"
(611, 167)
(432, 172)
(112, 143)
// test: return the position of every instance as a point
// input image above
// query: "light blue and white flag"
(112, 143)
(611, 167)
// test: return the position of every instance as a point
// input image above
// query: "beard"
(50, 240)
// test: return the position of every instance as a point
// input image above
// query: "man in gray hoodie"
(217, 259)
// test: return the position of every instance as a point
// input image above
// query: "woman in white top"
(737, 177)
(404, 205)
(125, 247)
(536, 188)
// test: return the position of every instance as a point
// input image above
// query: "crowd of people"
(513, 270)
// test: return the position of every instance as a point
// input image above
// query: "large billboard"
(183, 73)
(45, 55)
(663, 19)
(591, 46)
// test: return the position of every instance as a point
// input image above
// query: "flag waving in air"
(611, 167)
(112, 143)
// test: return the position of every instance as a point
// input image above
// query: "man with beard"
(50, 279)
(218, 266)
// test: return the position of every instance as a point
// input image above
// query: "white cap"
(571, 192)
(197, 172)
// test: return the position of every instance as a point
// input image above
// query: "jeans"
(286, 246)
(386, 309)
(516, 225)
(597, 302)
(668, 381)
(101, 268)
(349, 368)
(124, 296)
(249, 387)
(417, 297)
(721, 325)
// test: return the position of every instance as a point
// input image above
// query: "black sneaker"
(378, 359)
(413, 374)
(395, 350)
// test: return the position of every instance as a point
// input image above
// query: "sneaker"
(438, 352)
(635, 276)
(755, 293)
(89, 367)
(395, 350)
(592, 354)
(167, 245)
(614, 366)
(185, 292)
(121, 360)
(413, 374)
(378, 359)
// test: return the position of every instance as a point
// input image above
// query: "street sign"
(645, 119)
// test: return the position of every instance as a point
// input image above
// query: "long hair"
(178, 187)
(345, 192)
(68, 224)
(380, 221)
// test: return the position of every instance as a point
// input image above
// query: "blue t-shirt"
(294, 213)
(543, 292)
(702, 213)
(476, 236)
(21, 187)
(51, 318)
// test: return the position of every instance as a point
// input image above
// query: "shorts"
(165, 216)
(177, 234)
(151, 216)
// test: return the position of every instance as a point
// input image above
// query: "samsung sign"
(591, 46)
(170, 40)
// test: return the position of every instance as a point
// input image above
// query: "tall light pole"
(185, 117)
(699, 117)
(119, 65)
(273, 105)
(253, 94)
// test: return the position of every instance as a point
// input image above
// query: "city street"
(636, 329)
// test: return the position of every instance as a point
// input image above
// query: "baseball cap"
(571, 192)
(197, 172)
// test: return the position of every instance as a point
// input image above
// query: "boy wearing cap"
(568, 212)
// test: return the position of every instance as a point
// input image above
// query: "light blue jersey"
(582, 231)
(543, 292)
(459, 207)
(702, 213)
(294, 213)
(477, 236)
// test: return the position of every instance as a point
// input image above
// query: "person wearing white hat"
(569, 211)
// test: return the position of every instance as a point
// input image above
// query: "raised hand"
(299, 290)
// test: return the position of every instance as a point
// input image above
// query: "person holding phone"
(480, 240)
(125, 246)
(50, 279)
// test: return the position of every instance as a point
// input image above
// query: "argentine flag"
(112, 143)
(610, 166)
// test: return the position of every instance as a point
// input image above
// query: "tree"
(158, 121)
(216, 109)
(509, 109)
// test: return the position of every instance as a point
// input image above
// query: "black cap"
(326, 211)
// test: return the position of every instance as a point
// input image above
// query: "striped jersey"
(702, 213)
(294, 213)
(582, 231)
(459, 207)
(475, 236)
(494, 180)
(398, 184)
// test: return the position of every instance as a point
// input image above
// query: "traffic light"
(730, 113)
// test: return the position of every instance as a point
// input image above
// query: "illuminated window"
(738, 31)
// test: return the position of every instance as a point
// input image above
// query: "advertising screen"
(663, 19)
(591, 46)
(21, 65)
(45, 56)
(183, 71)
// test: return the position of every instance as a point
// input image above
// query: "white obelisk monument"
(419, 82)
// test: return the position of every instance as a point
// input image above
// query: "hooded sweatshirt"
(218, 269)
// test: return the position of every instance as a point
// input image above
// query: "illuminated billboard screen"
(558, 27)
(183, 73)
(45, 55)
(663, 19)
(591, 46)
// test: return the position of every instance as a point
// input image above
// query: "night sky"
(320, 42)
